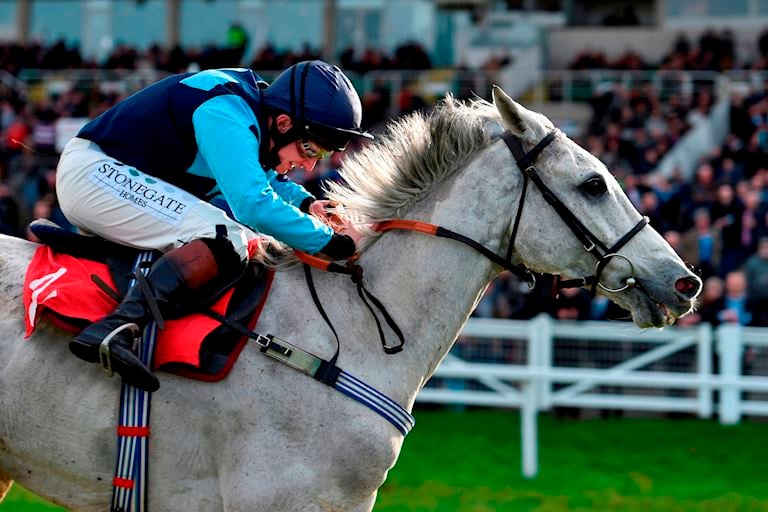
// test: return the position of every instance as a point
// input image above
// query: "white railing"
(11, 81)
(538, 380)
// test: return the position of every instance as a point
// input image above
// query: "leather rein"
(525, 162)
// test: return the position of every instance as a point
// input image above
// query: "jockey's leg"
(100, 195)
(175, 281)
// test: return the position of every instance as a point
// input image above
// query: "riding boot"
(173, 282)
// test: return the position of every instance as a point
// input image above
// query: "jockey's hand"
(339, 247)
(330, 213)
(343, 245)
(354, 233)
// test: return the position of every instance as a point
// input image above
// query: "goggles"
(312, 151)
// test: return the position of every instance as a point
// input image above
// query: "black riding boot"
(173, 278)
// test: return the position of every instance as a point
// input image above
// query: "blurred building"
(448, 29)
(97, 26)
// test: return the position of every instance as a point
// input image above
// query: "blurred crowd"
(717, 219)
(17, 57)
(713, 51)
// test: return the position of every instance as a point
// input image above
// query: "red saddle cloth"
(65, 286)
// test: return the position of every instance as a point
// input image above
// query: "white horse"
(268, 438)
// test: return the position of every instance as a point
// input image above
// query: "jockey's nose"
(688, 287)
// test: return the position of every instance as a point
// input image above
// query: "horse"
(268, 438)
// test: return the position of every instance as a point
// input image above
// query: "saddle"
(74, 280)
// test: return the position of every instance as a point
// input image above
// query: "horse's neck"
(430, 284)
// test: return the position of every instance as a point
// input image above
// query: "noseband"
(591, 243)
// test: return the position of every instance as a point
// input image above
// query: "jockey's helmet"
(321, 101)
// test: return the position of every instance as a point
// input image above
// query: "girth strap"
(327, 372)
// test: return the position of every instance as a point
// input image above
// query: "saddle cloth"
(73, 291)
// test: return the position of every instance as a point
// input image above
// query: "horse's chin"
(649, 312)
(654, 315)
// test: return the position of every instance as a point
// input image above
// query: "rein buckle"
(268, 343)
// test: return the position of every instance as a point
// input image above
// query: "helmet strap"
(279, 140)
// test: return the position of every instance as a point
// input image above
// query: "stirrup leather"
(105, 356)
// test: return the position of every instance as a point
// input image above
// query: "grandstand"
(672, 95)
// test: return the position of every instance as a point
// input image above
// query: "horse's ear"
(510, 111)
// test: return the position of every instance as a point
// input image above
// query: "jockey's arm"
(223, 130)
(230, 149)
(291, 192)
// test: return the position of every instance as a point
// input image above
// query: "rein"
(525, 162)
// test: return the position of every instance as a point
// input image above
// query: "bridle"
(525, 162)
(591, 243)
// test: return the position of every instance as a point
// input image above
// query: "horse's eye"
(594, 186)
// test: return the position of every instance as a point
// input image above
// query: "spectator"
(649, 206)
(572, 304)
(9, 212)
(237, 44)
(756, 273)
(727, 216)
(711, 301)
(701, 245)
(752, 221)
(735, 307)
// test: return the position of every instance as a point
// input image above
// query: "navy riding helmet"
(321, 101)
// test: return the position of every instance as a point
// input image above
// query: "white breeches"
(103, 196)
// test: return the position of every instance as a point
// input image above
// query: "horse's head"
(645, 276)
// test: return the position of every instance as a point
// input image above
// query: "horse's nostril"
(688, 286)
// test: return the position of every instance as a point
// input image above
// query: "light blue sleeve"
(231, 151)
(290, 191)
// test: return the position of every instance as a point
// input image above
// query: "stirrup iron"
(105, 358)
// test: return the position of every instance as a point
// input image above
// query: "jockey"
(144, 173)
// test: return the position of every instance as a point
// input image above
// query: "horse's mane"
(415, 152)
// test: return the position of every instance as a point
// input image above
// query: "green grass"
(470, 462)
(21, 500)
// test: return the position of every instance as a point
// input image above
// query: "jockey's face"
(301, 153)
(291, 156)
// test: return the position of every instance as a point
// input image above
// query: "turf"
(470, 462)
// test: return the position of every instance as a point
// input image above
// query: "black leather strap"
(356, 273)
(321, 310)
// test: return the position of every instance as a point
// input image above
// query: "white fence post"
(529, 429)
(529, 405)
(729, 346)
(544, 348)
(704, 364)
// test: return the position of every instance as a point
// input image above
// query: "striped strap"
(375, 400)
(332, 375)
(129, 486)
